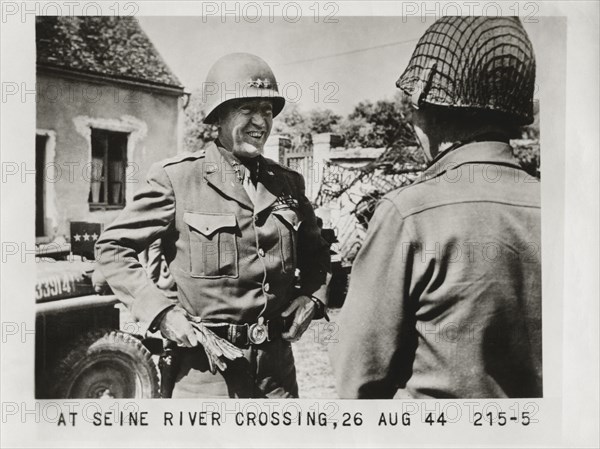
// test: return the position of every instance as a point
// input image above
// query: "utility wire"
(359, 50)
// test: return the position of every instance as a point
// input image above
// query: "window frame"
(107, 179)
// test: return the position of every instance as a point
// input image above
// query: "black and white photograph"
(274, 217)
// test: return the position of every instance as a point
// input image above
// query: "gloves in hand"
(189, 331)
(218, 350)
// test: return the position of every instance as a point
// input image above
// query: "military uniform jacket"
(445, 294)
(233, 259)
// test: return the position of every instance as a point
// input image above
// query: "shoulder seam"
(418, 210)
(394, 194)
(407, 224)
(183, 157)
(393, 205)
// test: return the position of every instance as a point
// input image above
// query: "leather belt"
(244, 335)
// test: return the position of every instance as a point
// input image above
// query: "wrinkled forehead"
(246, 103)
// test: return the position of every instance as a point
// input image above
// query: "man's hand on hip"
(176, 327)
(303, 309)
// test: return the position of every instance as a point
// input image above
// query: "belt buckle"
(258, 332)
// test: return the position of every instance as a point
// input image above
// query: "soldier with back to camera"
(445, 293)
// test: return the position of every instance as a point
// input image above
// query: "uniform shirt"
(232, 259)
(445, 293)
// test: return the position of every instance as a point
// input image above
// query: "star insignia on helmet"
(261, 84)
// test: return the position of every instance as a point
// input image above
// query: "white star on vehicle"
(95, 236)
(77, 237)
(86, 236)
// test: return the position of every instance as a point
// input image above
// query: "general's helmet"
(474, 63)
(239, 75)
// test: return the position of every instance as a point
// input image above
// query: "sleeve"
(314, 260)
(147, 217)
(373, 348)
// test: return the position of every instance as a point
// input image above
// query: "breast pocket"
(288, 224)
(213, 244)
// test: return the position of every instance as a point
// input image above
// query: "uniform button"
(255, 218)
(261, 252)
(267, 287)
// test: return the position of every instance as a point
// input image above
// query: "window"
(109, 160)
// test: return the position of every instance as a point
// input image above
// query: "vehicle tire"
(105, 364)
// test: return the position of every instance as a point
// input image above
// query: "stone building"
(108, 106)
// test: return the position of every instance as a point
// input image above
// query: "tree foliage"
(196, 133)
(300, 126)
(292, 121)
(379, 124)
(323, 120)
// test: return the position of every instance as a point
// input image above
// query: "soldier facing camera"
(235, 226)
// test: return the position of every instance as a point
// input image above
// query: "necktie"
(253, 168)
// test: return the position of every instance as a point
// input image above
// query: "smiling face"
(245, 125)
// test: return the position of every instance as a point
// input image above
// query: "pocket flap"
(208, 224)
(290, 217)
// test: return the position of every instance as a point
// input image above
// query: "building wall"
(66, 111)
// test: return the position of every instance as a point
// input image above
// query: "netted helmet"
(239, 75)
(474, 63)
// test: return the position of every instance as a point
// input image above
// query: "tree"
(322, 120)
(196, 133)
(294, 122)
(290, 122)
(386, 124)
(300, 126)
(379, 124)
